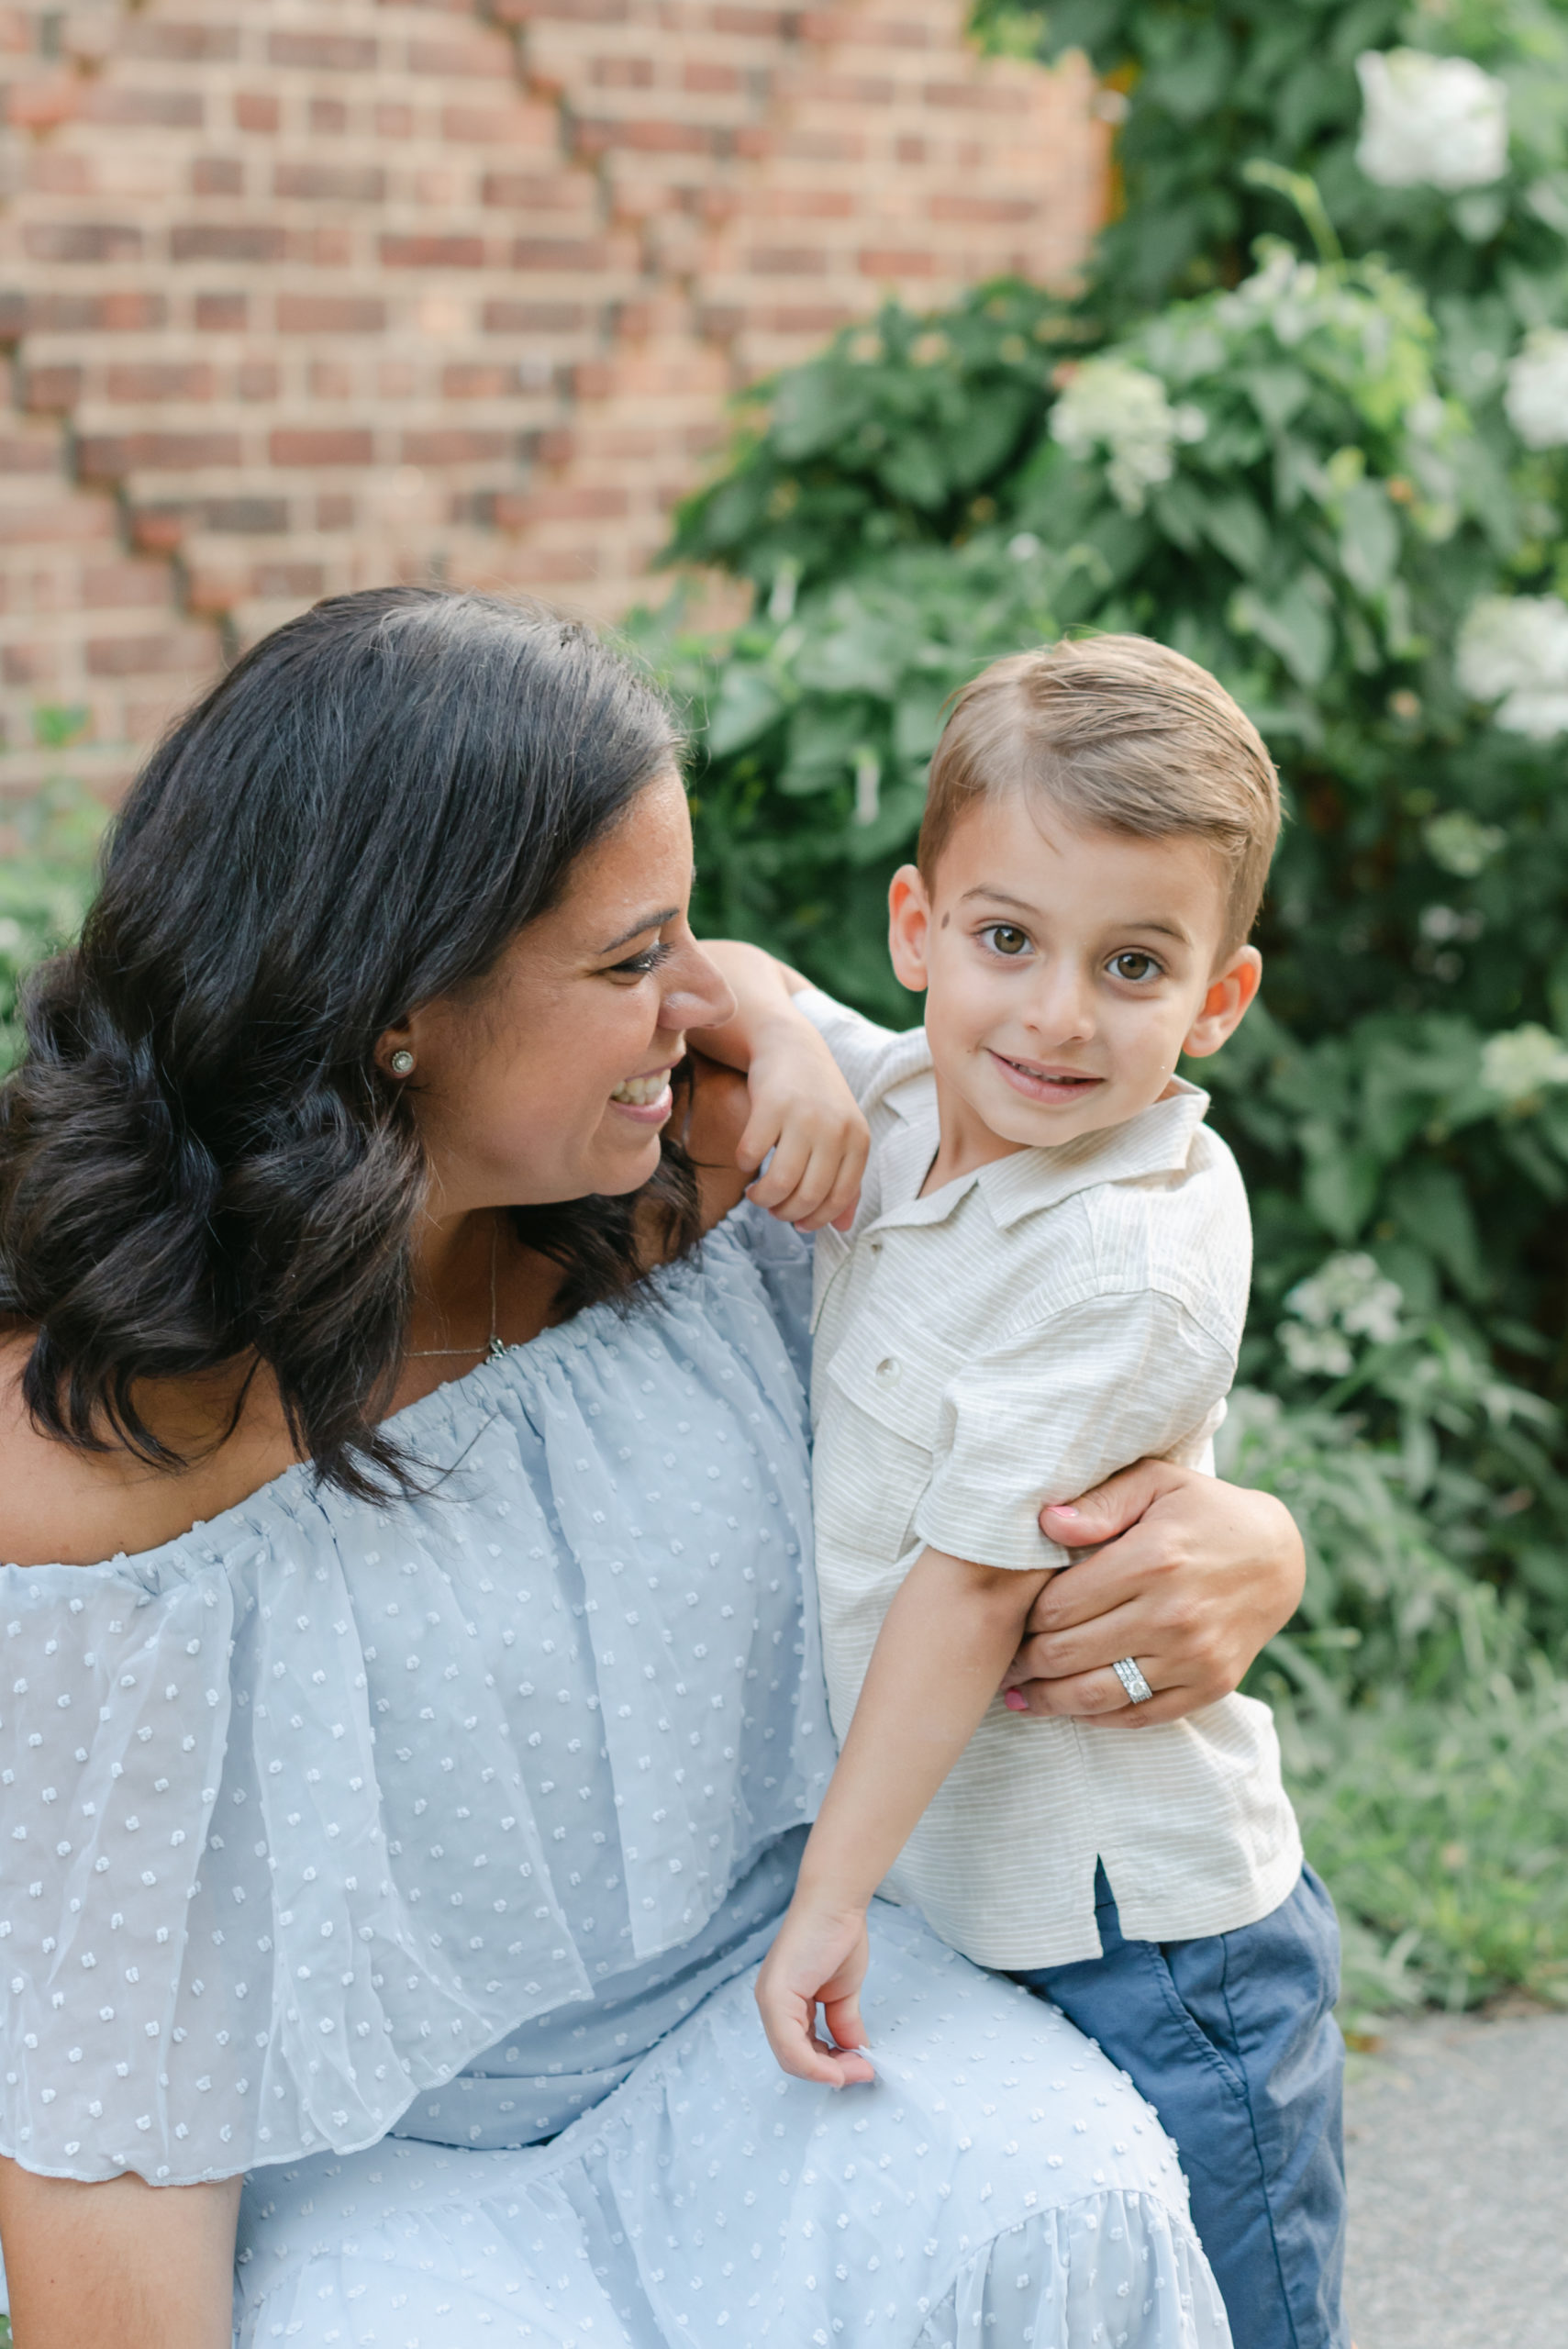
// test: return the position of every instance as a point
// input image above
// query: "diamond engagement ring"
(1137, 1689)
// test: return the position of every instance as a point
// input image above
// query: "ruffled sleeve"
(208, 1958)
(295, 1808)
(114, 1714)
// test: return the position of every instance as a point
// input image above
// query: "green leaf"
(1341, 1186)
(1177, 508)
(748, 702)
(1294, 624)
(815, 406)
(916, 469)
(1276, 392)
(990, 434)
(1428, 1203)
(1369, 536)
(918, 717)
(862, 655)
(1235, 524)
(824, 737)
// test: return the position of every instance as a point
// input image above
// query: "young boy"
(1051, 1263)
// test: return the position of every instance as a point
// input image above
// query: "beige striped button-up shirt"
(1009, 1340)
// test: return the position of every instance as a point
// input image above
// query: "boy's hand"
(819, 1957)
(804, 1112)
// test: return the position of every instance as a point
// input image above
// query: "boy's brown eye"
(1135, 966)
(1006, 938)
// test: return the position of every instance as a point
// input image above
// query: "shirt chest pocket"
(879, 1436)
(897, 1374)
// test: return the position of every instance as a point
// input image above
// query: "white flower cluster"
(1536, 398)
(1514, 650)
(1462, 844)
(1346, 1297)
(1430, 121)
(1523, 1061)
(1110, 404)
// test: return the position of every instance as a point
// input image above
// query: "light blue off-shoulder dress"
(417, 1862)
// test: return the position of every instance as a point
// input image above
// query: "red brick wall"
(300, 295)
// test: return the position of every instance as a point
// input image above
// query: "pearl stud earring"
(402, 1062)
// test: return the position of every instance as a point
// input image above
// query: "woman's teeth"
(641, 1092)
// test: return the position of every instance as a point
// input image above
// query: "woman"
(415, 1707)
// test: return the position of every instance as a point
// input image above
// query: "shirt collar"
(1157, 1141)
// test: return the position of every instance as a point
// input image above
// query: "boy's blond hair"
(1121, 733)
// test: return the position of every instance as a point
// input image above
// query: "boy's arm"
(764, 991)
(944, 1644)
(801, 1108)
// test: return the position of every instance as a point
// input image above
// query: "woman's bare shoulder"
(62, 1506)
(54, 1500)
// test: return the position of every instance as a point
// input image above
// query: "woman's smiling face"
(550, 1079)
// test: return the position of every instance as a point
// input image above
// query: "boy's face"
(1064, 970)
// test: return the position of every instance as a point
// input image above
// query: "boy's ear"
(1225, 1005)
(908, 927)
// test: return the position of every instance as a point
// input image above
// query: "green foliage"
(1214, 88)
(45, 885)
(1283, 429)
(1441, 1828)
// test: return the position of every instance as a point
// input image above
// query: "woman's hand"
(1190, 1577)
(818, 1957)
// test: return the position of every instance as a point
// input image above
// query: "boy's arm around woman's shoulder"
(803, 1117)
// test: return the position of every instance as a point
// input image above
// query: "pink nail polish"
(1063, 1508)
(1016, 1702)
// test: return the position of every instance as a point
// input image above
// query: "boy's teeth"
(641, 1092)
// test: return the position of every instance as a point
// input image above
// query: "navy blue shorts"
(1233, 2041)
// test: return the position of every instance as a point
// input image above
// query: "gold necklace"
(492, 1349)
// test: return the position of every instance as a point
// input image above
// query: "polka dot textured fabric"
(307, 1809)
(1000, 2186)
(365, 1850)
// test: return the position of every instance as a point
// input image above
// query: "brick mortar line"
(115, 495)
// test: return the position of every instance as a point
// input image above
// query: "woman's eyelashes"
(639, 965)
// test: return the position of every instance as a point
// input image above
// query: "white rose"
(1109, 404)
(1523, 1062)
(1514, 648)
(1348, 1290)
(1432, 121)
(1315, 1354)
(1537, 394)
(1462, 844)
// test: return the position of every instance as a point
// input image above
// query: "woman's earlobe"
(394, 1054)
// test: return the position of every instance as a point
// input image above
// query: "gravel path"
(1457, 2148)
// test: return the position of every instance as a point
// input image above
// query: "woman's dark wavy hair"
(199, 1160)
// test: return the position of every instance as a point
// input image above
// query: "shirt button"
(887, 1368)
